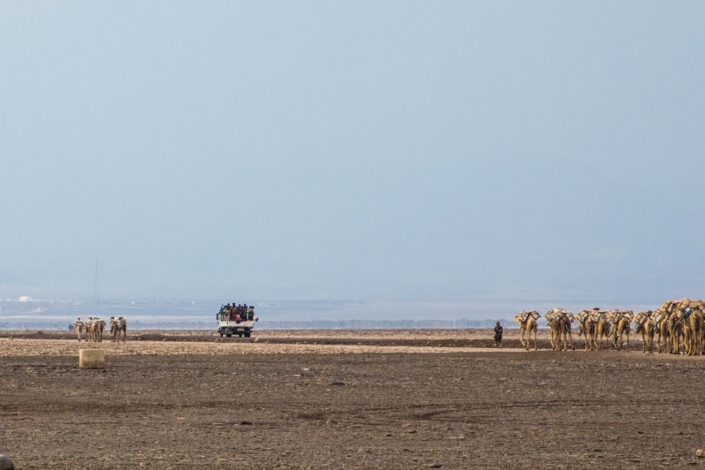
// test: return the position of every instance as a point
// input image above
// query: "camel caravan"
(92, 329)
(678, 326)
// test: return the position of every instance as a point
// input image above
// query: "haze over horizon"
(387, 151)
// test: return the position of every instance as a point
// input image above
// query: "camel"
(676, 332)
(560, 322)
(94, 329)
(646, 326)
(672, 325)
(585, 327)
(677, 328)
(114, 329)
(527, 323)
(552, 318)
(90, 329)
(79, 327)
(118, 328)
(692, 311)
(621, 319)
(565, 329)
(123, 328)
(660, 320)
(601, 328)
(100, 326)
(531, 325)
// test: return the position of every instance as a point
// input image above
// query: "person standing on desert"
(498, 335)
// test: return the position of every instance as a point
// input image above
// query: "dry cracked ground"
(249, 405)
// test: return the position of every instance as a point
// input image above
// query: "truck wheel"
(228, 335)
(221, 334)
(239, 335)
(247, 334)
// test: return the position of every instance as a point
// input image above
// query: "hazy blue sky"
(394, 150)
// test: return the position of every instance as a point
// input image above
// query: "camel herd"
(678, 324)
(92, 329)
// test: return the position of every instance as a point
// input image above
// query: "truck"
(236, 320)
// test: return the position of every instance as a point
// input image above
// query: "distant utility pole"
(96, 287)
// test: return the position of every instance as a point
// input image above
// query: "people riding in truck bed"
(237, 312)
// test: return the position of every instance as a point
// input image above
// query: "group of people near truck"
(237, 312)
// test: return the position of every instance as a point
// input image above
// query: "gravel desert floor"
(370, 400)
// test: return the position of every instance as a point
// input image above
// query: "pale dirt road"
(51, 347)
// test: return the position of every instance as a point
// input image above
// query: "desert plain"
(345, 400)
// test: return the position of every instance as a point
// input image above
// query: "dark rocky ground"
(405, 411)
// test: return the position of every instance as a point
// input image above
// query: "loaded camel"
(672, 325)
(94, 329)
(645, 324)
(527, 323)
(560, 321)
(586, 327)
(79, 327)
(621, 320)
(118, 327)
(601, 329)
(660, 321)
(692, 311)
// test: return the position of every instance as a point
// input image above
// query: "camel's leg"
(615, 340)
(643, 339)
(686, 340)
(666, 338)
(557, 346)
(598, 336)
(651, 342)
(666, 341)
(675, 341)
(696, 337)
(564, 339)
